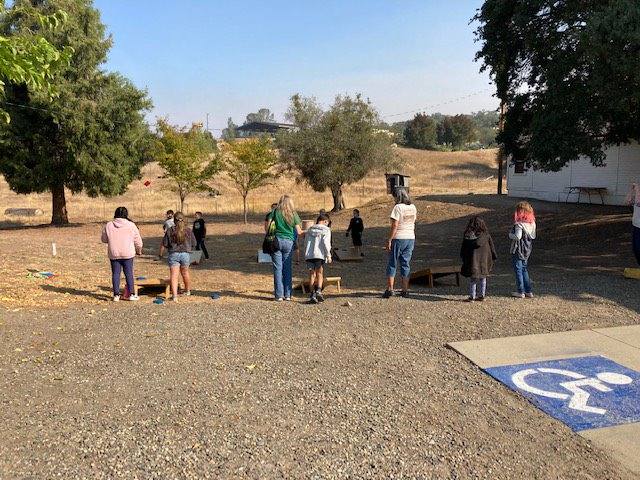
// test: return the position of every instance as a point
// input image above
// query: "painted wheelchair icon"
(578, 395)
(582, 392)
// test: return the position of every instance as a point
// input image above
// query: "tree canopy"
(92, 136)
(420, 132)
(249, 164)
(262, 115)
(569, 74)
(186, 157)
(336, 147)
(30, 60)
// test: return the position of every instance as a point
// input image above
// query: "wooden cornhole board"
(154, 283)
(632, 273)
(436, 272)
(195, 257)
(347, 255)
(337, 281)
(263, 257)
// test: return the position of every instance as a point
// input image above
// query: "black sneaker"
(480, 299)
(319, 296)
(313, 299)
(470, 299)
(389, 294)
(404, 294)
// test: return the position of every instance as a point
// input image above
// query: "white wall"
(622, 168)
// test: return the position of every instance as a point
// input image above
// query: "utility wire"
(429, 107)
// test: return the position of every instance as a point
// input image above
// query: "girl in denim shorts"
(179, 240)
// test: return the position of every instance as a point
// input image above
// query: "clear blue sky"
(229, 58)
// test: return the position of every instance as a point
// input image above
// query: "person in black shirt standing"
(356, 227)
(200, 232)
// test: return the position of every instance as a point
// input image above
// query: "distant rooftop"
(265, 127)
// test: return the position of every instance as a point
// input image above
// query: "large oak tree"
(336, 147)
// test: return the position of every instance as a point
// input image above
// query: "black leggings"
(117, 266)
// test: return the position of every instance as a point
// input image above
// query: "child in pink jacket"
(124, 242)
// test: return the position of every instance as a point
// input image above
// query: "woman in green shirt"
(287, 223)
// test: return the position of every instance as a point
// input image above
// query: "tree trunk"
(338, 198)
(182, 197)
(244, 205)
(59, 203)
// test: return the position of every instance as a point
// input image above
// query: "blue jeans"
(117, 266)
(400, 254)
(282, 269)
(522, 274)
(636, 243)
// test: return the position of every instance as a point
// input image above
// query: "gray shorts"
(314, 263)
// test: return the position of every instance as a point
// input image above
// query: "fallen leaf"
(251, 367)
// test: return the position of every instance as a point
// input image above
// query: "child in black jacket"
(356, 227)
(478, 254)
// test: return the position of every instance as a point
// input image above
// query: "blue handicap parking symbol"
(584, 393)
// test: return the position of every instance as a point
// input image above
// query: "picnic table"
(580, 189)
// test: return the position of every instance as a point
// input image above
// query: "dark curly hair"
(476, 225)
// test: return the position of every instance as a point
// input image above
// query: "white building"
(580, 180)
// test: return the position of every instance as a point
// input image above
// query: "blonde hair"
(524, 213)
(178, 234)
(287, 209)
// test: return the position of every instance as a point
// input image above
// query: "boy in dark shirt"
(200, 232)
(356, 227)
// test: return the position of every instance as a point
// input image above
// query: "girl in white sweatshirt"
(522, 235)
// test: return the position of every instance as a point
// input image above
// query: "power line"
(429, 107)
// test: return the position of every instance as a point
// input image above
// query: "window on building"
(519, 167)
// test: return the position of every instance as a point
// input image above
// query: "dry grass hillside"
(431, 172)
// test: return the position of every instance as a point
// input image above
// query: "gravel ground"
(243, 387)
(260, 389)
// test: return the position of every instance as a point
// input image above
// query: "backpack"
(271, 244)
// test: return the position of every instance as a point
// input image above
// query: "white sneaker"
(116, 298)
(186, 294)
(529, 295)
(175, 299)
(517, 295)
(134, 298)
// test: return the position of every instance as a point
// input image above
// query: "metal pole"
(501, 150)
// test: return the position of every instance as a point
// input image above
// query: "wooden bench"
(154, 283)
(337, 281)
(436, 272)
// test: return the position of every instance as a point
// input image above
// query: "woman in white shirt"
(634, 198)
(401, 241)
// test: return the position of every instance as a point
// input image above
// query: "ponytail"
(178, 235)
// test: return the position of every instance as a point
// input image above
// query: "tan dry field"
(431, 172)
(81, 266)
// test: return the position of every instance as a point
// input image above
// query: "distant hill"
(431, 172)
